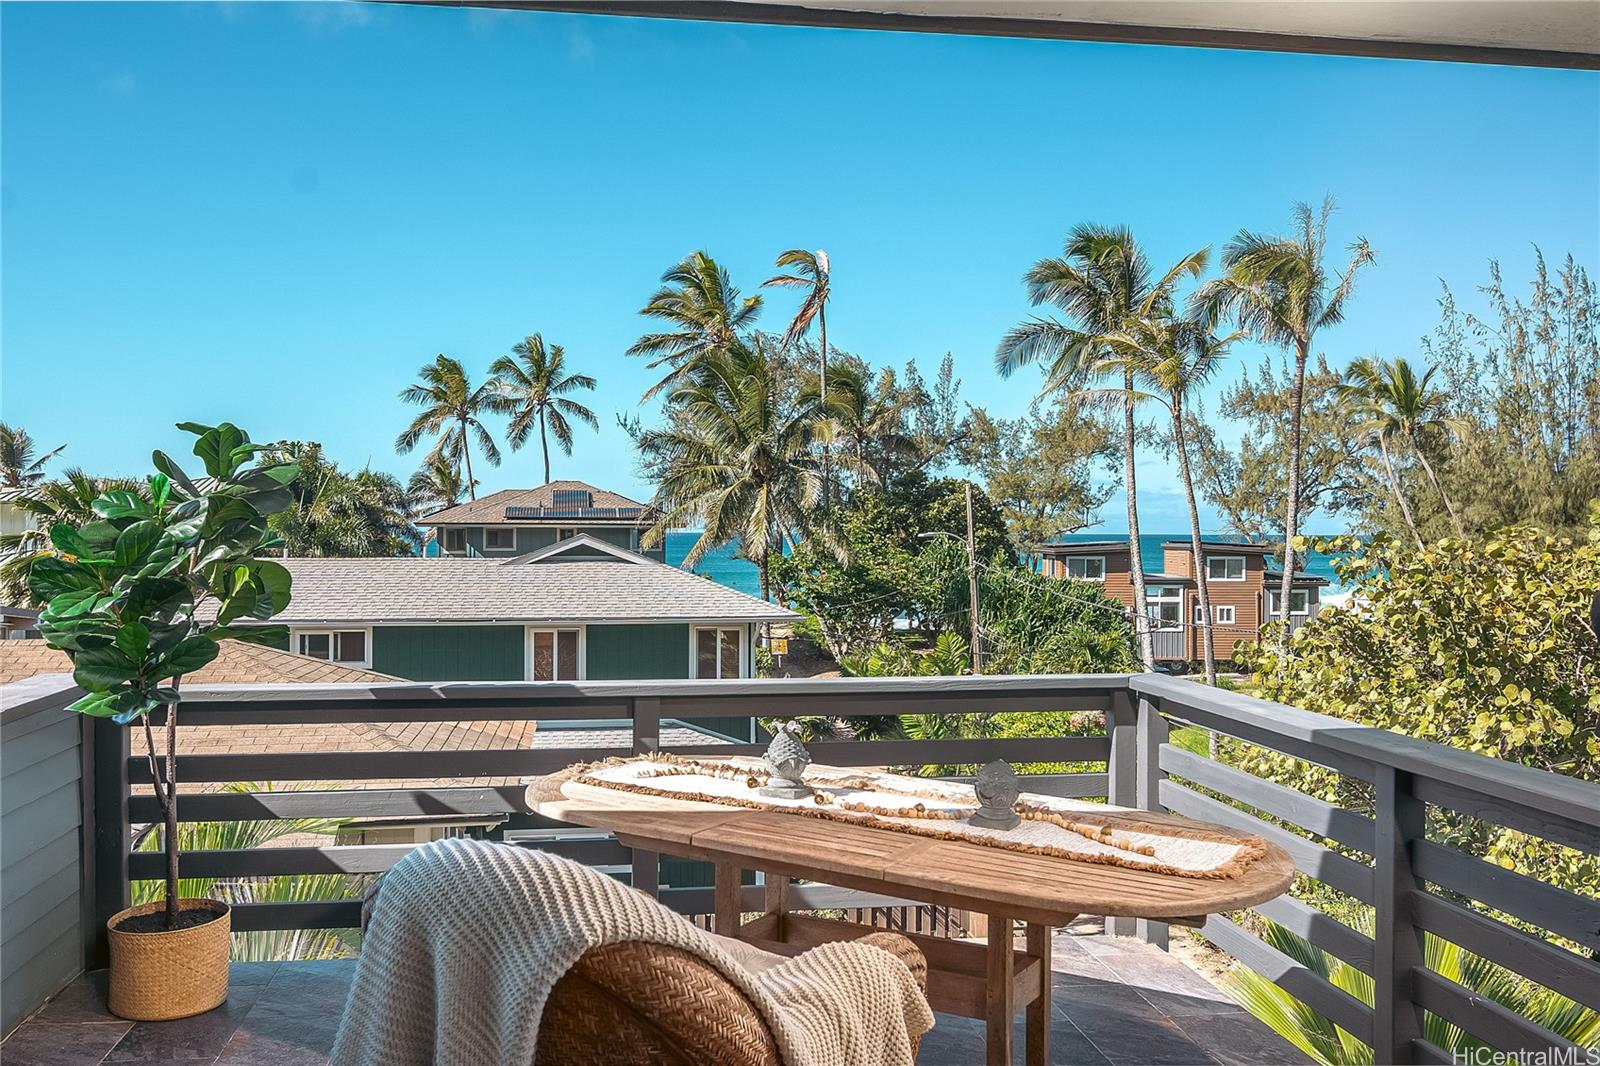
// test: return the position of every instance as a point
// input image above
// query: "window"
(453, 540)
(1165, 607)
(335, 646)
(565, 533)
(1223, 615)
(718, 653)
(1086, 567)
(1225, 568)
(1299, 604)
(554, 655)
(499, 539)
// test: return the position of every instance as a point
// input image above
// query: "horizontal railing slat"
(923, 752)
(1320, 817)
(338, 859)
(1496, 1025)
(1515, 816)
(338, 803)
(376, 765)
(334, 713)
(1426, 1051)
(316, 914)
(1556, 968)
(1311, 859)
(1564, 913)
(1062, 786)
(1327, 999)
(1321, 930)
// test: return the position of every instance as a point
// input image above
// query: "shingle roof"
(561, 587)
(492, 509)
(1080, 547)
(236, 664)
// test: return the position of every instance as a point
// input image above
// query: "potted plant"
(127, 596)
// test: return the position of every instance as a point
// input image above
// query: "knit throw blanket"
(468, 938)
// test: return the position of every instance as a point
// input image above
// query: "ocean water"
(724, 567)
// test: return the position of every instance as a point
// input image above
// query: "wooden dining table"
(989, 981)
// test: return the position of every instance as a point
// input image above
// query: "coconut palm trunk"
(1141, 617)
(1394, 487)
(822, 385)
(544, 446)
(466, 457)
(1202, 590)
(1291, 518)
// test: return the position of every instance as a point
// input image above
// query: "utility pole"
(972, 585)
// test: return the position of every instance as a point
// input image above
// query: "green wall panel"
(635, 653)
(449, 653)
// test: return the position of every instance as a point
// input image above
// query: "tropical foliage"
(126, 588)
(337, 513)
(703, 314)
(453, 411)
(20, 463)
(69, 500)
(531, 385)
(436, 486)
(1045, 469)
(1327, 1043)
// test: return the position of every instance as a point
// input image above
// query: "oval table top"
(1040, 888)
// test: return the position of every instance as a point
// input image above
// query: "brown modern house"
(1243, 590)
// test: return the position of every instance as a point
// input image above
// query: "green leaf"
(242, 603)
(101, 704)
(276, 580)
(49, 577)
(99, 535)
(190, 655)
(155, 597)
(136, 540)
(73, 605)
(122, 504)
(69, 541)
(101, 668)
(271, 636)
(163, 462)
(133, 640)
(79, 634)
(160, 489)
(217, 447)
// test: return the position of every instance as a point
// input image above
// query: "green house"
(578, 609)
(514, 522)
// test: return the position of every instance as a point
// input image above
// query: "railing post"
(1121, 774)
(1398, 949)
(1151, 730)
(113, 836)
(646, 714)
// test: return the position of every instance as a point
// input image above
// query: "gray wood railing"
(1379, 855)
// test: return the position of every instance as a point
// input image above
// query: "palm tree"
(68, 500)
(19, 467)
(1394, 403)
(1279, 292)
(1100, 280)
(869, 419)
(529, 385)
(706, 314)
(810, 272)
(436, 486)
(342, 514)
(736, 458)
(451, 407)
(1173, 359)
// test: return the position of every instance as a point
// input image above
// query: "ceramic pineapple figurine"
(787, 760)
(997, 789)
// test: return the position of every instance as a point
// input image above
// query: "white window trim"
(1169, 595)
(566, 533)
(746, 652)
(1244, 567)
(295, 633)
(500, 529)
(1067, 568)
(583, 649)
(1225, 614)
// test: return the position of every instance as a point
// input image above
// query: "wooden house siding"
(1245, 597)
(450, 653)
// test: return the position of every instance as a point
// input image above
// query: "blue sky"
(273, 214)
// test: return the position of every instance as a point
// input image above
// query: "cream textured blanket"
(467, 939)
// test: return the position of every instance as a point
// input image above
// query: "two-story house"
(1242, 585)
(517, 521)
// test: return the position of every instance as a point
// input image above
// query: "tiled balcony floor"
(1115, 1002)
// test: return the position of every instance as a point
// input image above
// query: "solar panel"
(571, 499)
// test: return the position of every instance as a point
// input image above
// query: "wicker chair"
(641, 1004)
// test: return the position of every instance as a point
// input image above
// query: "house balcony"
(75, 797)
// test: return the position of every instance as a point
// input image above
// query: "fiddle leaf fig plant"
(145, 591)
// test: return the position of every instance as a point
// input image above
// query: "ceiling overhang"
(1541, 33)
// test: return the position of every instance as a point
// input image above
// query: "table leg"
(1037, 1052)
(778, 902)
(998, 986)
(728, 905)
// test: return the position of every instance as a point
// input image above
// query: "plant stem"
(170, 809)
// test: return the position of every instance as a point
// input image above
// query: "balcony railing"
(1380, 856)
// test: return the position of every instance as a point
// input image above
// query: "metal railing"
(1380, 856)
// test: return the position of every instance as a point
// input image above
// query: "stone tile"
(197, 1039)
(1170, 986)
(42, 1043)
(243, 975)
(84, 1000)
(1127, 1029)
(953, 1041)
(1241, 1040)
(1079, 969)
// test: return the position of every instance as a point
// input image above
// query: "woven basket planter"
(159, 976)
